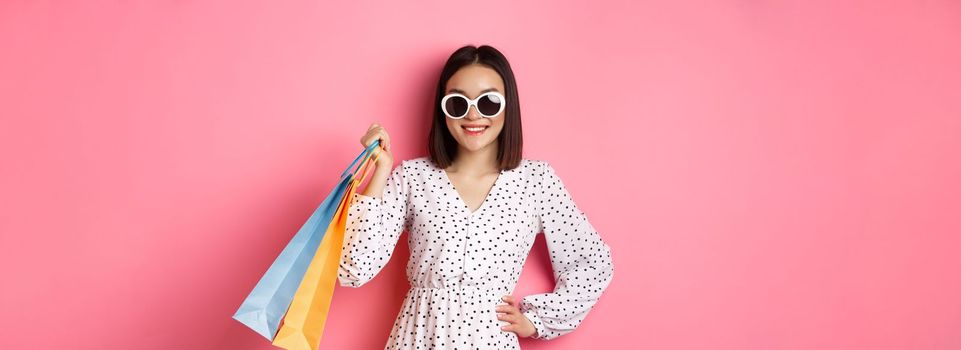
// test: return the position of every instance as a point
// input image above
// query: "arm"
(581, 261)
(373, 227)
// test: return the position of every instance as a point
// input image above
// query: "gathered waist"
(499, 290)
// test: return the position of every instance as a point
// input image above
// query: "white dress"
(462, 263)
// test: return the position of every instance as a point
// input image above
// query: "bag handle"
(367, 165)
(365, 154)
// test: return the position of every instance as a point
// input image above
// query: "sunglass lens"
(489, 105)
(456, 106)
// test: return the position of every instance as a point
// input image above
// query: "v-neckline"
(463, 204)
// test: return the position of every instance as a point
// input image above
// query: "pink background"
(770, 175)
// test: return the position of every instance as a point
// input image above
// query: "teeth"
(475, 129)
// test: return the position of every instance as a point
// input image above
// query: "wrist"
(382, 171)
(536, 321)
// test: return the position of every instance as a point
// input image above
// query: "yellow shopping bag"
(303, 325)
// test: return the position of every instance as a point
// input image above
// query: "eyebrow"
(482, 92)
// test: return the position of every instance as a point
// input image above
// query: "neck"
(479, 162)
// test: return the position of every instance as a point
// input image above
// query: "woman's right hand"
(376, 132)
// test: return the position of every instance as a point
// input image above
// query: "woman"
(472, 209)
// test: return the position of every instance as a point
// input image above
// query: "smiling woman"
(476, 90)
(473, 208)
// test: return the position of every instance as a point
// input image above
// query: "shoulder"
(537, 168)
(545, 176)
(536, 163)
(533, 172)
(413, 164)
(530, 167)
(416, 169)
(419, 164)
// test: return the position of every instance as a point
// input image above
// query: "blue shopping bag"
(267, 303)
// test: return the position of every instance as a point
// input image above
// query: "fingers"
(516, 321)
(509, 320)
(511, 304)
(385, 139)
(376, 132)
(508, 313)
(369, 135)
(509, 299)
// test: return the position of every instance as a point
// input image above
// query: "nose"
(472, 113)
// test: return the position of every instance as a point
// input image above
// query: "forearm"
(378, 180)
(374, 223)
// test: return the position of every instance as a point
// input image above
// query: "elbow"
(350, 278)
(351, 282)
(608, 261)
(610, 271)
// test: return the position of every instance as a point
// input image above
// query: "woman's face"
(471, 81)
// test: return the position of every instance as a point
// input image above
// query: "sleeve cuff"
(538, 324)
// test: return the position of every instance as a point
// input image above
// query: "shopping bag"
(304, 323)
(269, 300)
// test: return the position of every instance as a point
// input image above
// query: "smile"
(475, 130)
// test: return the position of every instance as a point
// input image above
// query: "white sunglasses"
(488, 105)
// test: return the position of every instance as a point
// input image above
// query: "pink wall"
(770, 175)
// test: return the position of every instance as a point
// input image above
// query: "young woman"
(472, 209)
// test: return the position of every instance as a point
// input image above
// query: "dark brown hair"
(441, 145)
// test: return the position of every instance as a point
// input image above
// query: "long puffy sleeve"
(373, 227)
(581, 260)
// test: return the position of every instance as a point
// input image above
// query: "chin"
(476, 145)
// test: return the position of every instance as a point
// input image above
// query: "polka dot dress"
(462, 262)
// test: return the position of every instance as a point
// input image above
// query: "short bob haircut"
(441, 145)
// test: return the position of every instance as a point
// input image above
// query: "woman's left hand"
(519, 324)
